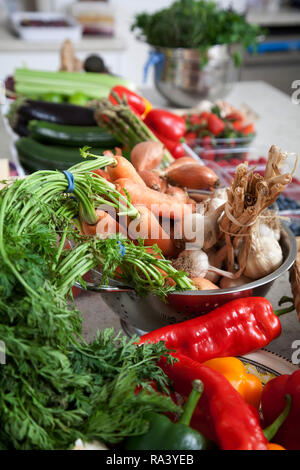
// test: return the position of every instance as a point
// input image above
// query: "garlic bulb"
(202, 230)
(266, 231)
(218, 199)
(195, 263)
(265, 255)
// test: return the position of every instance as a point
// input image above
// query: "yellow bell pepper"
(247, 385)
(272, 446)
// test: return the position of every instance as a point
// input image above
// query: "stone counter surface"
(278, 124)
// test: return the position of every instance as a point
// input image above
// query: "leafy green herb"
(54, 387)
(197, 24)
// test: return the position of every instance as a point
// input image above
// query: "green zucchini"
(71, 135)
(35, 156)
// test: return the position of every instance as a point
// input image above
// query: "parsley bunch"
(197, 24)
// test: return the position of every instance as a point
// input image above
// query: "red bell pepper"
(137, 103)
(167, 124)
(236, 328)
(235, 424)
(273, 403)
(175, 148)
(215, 124)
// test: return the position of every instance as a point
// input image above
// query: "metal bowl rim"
(259, 282)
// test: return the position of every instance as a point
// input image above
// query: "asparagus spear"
(126, 126)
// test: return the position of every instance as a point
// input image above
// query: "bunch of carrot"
(159, 206)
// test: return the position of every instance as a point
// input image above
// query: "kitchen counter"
(45, 55)
(279, 124)
(12, 43)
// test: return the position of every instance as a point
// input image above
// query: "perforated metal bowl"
(143, 314)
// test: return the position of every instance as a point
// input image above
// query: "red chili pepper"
(273, 402)
(235, 423)
(166, 123)
(215, 124)
(174, 147)
(234, 329)
(137, 103)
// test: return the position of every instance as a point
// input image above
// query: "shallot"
(147, 155)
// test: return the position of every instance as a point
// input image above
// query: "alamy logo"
(296, 93)
(296, 353)
(2, 353)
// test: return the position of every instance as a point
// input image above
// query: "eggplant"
(59, 113)
(20, 126)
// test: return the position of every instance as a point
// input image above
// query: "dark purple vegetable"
(59, 113)
(21, 127)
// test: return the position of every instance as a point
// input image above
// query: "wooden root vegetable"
(249, 196)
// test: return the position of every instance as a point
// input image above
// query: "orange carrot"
(169, 280)
(102, 173)
(106, 225)
(203, 284)
(151, 179)
(179, 193)
(124, 169)
(149, 229)
(160, 204)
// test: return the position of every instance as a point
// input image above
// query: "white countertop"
(11, 43)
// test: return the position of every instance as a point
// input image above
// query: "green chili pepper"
(163, 434)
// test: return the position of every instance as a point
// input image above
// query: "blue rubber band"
(71, 182)
(122, 249)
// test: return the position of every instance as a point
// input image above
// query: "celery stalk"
(80, 80)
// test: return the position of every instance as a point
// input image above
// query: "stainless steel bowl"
(180, 77)
(142, 314)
